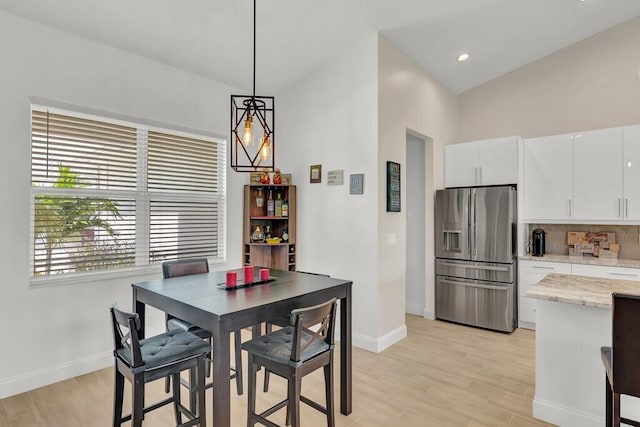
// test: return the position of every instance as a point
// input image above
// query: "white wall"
(353, 114)
(51, 333)
(410, 100)
(330, 118)
(593, 84)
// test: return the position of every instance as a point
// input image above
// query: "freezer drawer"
(487, 271)
(478, 303)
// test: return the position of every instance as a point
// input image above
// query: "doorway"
(419, 232)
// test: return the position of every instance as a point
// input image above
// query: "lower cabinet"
(606, 272)
(530, 273)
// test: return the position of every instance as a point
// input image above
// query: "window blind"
(184, 181)
(108, 194)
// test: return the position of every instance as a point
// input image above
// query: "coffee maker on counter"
(538, 242)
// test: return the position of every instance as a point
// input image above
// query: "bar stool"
(291, 353)
(621, 359)
(281, 322)
(187, 267)
(142, 361)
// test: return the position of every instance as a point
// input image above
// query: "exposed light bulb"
(265, 148)
(247, 135)
(463, 57)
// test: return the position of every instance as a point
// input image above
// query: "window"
(108, 194)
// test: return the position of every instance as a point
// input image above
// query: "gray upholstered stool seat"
(276, 346)
(167, 348)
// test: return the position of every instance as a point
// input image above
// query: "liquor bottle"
(270, 205)
(278, 206)
(285, 208)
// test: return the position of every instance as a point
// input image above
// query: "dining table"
(205, 300)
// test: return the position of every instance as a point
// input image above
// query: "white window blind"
(108, 194)
(185, 209)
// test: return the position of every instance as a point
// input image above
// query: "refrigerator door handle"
(473, 226)
(474, 285)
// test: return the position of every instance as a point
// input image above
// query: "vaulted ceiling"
(213, 38)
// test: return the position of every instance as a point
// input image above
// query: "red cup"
(232, 279)
(248, 274)
(264, 274)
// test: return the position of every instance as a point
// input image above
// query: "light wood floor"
(440, 375)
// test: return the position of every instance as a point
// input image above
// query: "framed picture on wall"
(393, 187)
(315, 174)
(356, 183)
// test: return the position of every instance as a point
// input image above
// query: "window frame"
(141, 194)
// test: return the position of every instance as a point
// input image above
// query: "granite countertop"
(589, 260)
(581, 290)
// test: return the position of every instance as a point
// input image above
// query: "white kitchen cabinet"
(597, 179)
(548, 177)
(486, 162)
(460, 165)
(606, 272)
(631, 172)
(530, 273)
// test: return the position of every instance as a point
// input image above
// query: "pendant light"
(252, 126)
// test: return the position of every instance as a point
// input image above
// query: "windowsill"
(145, 272)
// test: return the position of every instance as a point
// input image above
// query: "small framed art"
(315, 174)
(393, 187)
(356, 183)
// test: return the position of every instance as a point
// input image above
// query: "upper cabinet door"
(486, 162)
(498, 161)
(597, 181)
(460, 165)
(631, 174)
(548, 178)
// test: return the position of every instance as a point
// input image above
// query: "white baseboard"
(40, 378)
(564, 416)
(527, 325)
(428, 314)
(413, 309)
(419, 311)
(376, 345)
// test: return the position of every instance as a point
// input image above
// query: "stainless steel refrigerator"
(475, 256)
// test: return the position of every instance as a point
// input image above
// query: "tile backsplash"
(556, 238)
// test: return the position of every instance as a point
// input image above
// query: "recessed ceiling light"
(463, 57)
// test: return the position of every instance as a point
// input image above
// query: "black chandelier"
(252, 126)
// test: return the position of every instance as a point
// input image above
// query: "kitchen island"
(573, 321)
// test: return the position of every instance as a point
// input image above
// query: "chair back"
(625, 345)
(184, 267)
(126, 328)
(303, 319)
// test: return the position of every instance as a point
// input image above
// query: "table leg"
(139, 307)
(345, 354)
(221, 375)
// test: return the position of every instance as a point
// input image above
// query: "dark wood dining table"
(203, 300)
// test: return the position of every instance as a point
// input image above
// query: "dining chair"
(291, 353)
(143, 360)
(186, 267)
(621, 359)
(281, 322)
